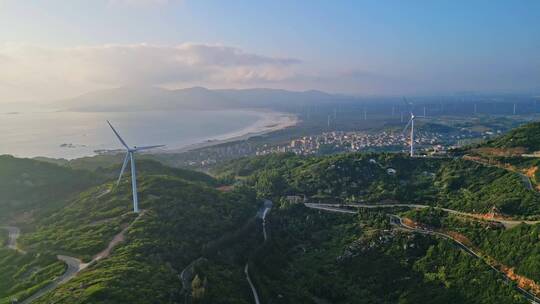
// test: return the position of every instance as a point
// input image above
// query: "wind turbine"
(411, 123)
(130, 156)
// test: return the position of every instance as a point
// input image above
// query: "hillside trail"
(75, 265)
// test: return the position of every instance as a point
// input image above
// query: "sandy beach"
(269, 121)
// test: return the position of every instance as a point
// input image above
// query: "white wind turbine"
(411, 123)
(130, 156)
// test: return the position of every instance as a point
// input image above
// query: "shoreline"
(262, 121)
(269, 121)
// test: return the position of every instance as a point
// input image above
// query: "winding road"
(75, 265)
(398, 221)
(338, 208)
(263, 212)
(187, 273)
(252, 286)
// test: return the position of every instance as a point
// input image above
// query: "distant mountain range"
(151, 98)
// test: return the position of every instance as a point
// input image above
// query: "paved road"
(329, 208)
(396, 220)
(253, 289)
(74, 265)
(531, 297)
(507, 223)
(263, 212)
(187, 273)
(13, 235)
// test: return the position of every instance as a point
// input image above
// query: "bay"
(75, 134)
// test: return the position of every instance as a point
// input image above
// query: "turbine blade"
(148, 147)
(406, 126)
(126, 159)
(118, 135)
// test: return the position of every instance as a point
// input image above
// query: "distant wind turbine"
(411, 124)
(130, 156)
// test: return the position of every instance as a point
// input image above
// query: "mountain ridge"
(125, 99)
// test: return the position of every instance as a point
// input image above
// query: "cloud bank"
(41, 74)
(30, 72)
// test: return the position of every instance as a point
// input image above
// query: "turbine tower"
(130, 156)
(411, 123)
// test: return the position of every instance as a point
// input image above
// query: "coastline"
(268, 122)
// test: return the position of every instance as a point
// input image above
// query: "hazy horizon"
(53, 50)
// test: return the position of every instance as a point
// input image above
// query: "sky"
(53, 49)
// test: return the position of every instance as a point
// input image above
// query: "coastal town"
(431, 143)
(337, 141)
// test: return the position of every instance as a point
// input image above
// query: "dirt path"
(117, 239)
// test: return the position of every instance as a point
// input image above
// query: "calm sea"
(76, 134)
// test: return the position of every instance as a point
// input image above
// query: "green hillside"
(453, 183)
(182, 220)
(30, 185)
(526, 136)
(321, 257)
(310, 257)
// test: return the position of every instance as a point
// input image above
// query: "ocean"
(76, 134)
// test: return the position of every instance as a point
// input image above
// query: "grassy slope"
(22, 274)
(28, 184)
(35, 188)
(89, 219)
(3, 237)
(181, 219)
(526, 136)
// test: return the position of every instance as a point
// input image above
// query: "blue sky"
(359, 47)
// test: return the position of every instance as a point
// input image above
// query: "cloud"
(58, 72)
(139, 2)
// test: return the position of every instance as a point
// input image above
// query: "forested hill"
(184, 218)
(453, 183)
(526, 137)
(27, 184)
(181, 221)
